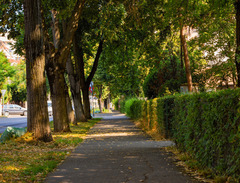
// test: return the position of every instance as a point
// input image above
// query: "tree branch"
(71, 27)
(95, 64)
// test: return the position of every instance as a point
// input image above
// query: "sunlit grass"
(27, 160)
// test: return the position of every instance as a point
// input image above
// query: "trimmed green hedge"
(115, 103)
(205, 125)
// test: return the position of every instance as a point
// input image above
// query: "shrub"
(122, 106)
(115, 103)
(205, 125)
(133, 108)
(159, 83)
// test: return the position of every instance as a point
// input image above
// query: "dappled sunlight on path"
(116, 151)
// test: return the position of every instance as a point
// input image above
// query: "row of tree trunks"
(74, 80)
(57, 82)
(40, 57)
(56, 66)
(37, 121)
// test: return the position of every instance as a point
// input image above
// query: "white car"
(14, 109)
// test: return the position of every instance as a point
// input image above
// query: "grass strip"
(26, 160)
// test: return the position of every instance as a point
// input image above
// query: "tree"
(56, 65)
(38, 121)
(186, 59)
(17, 84)
(74, 79)
(100, 23)
(6, 70)
(85, 83)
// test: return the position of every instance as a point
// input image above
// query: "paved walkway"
(115, 151)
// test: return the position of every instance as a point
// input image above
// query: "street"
(14, 121)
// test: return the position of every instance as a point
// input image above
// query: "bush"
(159, 83)
(165, 115)
(115, 103)
(122, 106)
(205, 125)
(133, 108)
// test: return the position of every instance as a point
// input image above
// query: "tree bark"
(100, 87)
(85, 83)
(85, 87)
(186, 60)
(74, 79)
(58, 94)
(56, 65)
(70, 111)
(237, 53)
(37, 121)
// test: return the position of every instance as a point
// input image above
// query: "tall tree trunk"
(85, 83)
(100, 87)
(37, 121)
(56, 65)
(237, 54)
(70, 111)
(85, 88)
(58, 86)
(186, 60)
(86, 101)
(74, 80)
(58, 95)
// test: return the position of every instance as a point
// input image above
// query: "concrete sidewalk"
(115, 151)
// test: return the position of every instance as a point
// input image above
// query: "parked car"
(14, 109)
(49, 102)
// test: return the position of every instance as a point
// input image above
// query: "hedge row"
(205, 125)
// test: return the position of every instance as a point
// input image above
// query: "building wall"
(6, 48)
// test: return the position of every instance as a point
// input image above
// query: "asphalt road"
(14, 121)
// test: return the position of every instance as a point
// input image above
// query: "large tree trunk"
(85, 83)
(60, 110)
(86, 101)
(186, 60)
(70, 111)
(56, 66)
(80, 117)
(74, 80)
(37, 121)
(237, 54)
(58, 95)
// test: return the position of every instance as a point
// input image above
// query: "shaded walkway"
(115, 151)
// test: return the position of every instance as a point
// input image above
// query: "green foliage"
(122, 106)
(12, 19)
(115, 103)
(133, 108)
(151, 85)
(165, 115)
(17, 87)
(6, 70)
(159, 83)
(206, 126)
